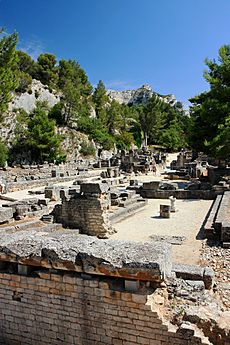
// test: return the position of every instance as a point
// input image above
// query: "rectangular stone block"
(6, 213)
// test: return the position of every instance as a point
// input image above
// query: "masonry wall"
(56, 309)
(86, 212)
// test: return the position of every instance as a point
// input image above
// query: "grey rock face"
(138, 96)
(28, 101)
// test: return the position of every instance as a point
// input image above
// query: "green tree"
(150, 117)
(172, 137)
(24, 82)
(76, 90)
(3, 154)
(35, 134)
(46, 70)
(8, 77)
(211, 109)
(100, 100)
(113, 117)
(71, 103)
(25, 63)
(70, 71)
(44, 143)
(57, 113)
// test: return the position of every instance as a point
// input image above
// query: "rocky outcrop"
(39, 92)
(26, 101)
(139, 96)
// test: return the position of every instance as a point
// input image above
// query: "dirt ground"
(185, 222)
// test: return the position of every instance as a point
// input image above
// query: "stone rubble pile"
(218, 258)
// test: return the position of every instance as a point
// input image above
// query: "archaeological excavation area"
(116, 252)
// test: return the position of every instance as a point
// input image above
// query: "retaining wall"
(67, 309)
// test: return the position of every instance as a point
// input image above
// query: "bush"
(103, 138)
(25, 82)
(87, 149)
(56, 113)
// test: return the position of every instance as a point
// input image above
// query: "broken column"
(172, 201)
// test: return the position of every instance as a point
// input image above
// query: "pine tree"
(8, 78)
(100, 100)
(150, 116)
(211, 109)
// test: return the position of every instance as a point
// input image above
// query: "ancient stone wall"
(86, 210)
(67, 309)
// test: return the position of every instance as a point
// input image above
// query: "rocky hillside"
(138, 96)
(26, 101)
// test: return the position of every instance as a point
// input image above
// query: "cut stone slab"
(81, 253)
(94, 188)
(188, 272)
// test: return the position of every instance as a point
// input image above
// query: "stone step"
(128, 210)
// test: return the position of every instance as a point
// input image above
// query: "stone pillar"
(172, 206)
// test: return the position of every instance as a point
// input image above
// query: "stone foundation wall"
(179, 194)
(86, 210)
(67, 309)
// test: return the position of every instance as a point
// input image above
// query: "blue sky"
(126, 43)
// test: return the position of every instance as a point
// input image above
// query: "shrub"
(87, 149)
(124, 141)
(25, 82)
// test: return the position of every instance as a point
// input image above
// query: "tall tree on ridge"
(8, 78)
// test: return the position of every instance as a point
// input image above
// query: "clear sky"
(126, 43)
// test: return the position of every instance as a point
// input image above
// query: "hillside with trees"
(105, 121)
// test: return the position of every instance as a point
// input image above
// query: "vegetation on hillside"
(36, 135)
(81, 107)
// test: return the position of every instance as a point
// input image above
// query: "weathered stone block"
(132, 285)
(164, 211)
(208, 277)
(6, 213)
(188, 272)
(94, 188)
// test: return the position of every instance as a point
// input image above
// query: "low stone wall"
(179, 194)
(16, 186)
(67, 309)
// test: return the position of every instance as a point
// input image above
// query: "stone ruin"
(19, 210)
(86, 210)
(56, 287)
(218, 222)
(30, 176)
